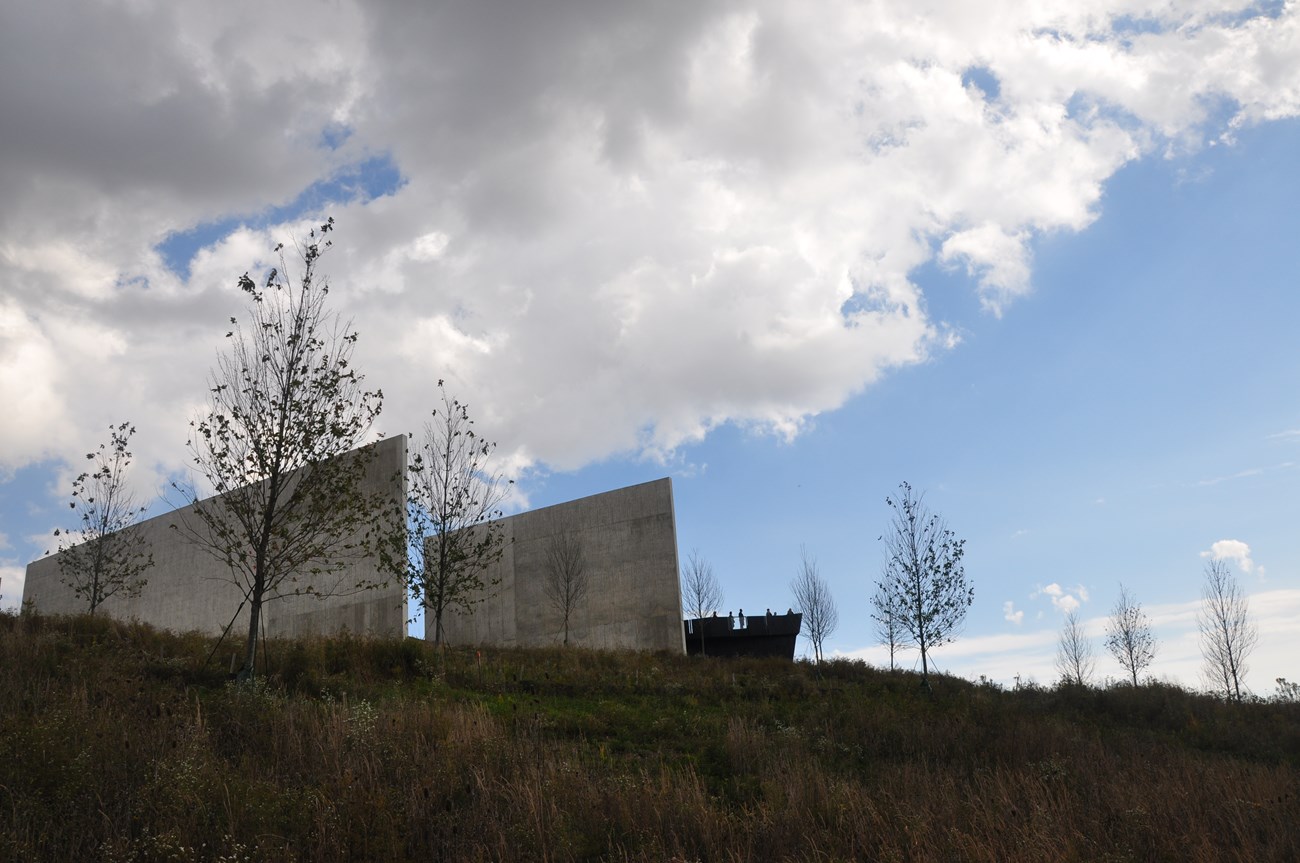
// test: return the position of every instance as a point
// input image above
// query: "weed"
(118, 744)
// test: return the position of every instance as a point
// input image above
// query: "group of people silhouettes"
(738, 620)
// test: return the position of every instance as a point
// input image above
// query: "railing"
(734, 625)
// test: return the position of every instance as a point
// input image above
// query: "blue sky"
(1136, 409)
(1036, 262)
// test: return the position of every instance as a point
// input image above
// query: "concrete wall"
(188, 589)
(629, 539)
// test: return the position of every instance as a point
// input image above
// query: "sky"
(1033, 259)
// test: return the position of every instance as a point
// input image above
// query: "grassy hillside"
(118, 744)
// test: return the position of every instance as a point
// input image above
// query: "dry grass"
(116, 745)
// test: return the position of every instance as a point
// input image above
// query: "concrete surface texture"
(190, 590)
(629, 540)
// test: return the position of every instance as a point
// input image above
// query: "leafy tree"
(285, 408)
(1128, 635)
(105, 556)
(453, 503)
(924, 586)
(1074, 656)
(701, 592)
(566, 580)
(1287, 692)
(813, 596)
(1228, 635)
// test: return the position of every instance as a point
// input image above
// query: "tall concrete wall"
(188, 589)
(629, 540)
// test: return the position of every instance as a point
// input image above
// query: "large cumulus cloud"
(619, 225)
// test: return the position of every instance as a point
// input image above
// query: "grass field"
(117, 743)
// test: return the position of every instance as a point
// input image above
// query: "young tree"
(813, 597)
(285, 407)
(1074, 657)
(1228, 635)
(104, 556)
(924, 584)
(1287, 692)
(454, 501)
(701, 592)
(1129, 637)
(567, 580)
(889, 630)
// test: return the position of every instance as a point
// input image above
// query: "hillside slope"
(118, 743)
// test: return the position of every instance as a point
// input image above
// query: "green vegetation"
(104, 556)
(285, 407)
(117, 744)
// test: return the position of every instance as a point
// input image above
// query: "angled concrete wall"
(629, 540)
(189, 590)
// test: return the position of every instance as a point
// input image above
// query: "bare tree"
(813, 596)
(567, 580)
(701, 592)
(285, 408)
(1228, 635)
(453, 506)
(924, 586)
(889, 630)
(1128, 635)
(1074, 656)
(104, 556)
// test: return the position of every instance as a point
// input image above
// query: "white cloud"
(1232, 550)
(620, 226)
(1250, 473)
(1063, 599)
(1000, 259)
(48, 541)
(1241, 474)
(11, 586)
(1010, 614)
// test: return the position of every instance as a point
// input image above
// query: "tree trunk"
(94, 574)
(433, 609)
(254, 621)
(250, 648)
(94, 577)
(925, 661)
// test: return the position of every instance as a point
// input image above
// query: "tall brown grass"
(117, 744)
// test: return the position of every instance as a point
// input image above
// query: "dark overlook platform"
(761, 635)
